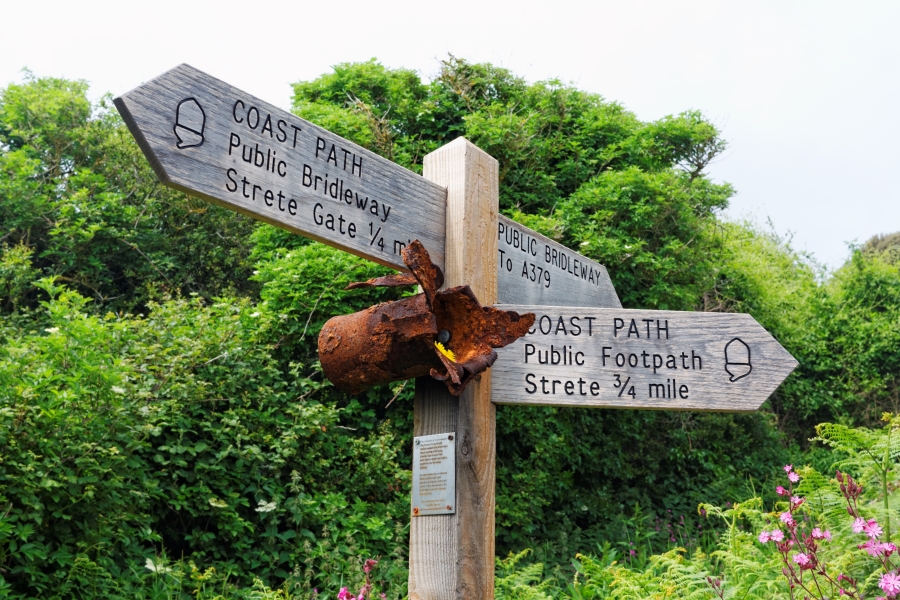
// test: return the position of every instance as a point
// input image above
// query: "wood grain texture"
(433, 539)
(452, 556)
(674, 360)
(533, 269)
(297, 175)
(471, 178)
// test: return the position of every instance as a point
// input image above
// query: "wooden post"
(452, 556)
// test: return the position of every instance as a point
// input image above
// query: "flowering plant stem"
(885, 470)
(796, 565)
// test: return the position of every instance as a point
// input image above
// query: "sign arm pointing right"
(640, 359)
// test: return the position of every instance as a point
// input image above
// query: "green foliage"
(656, 228)
(161, 398)
(16, 275)
(127, 436)
(305, 287)
(864, 330)
(887, 244)
(44, 117)
(77, 192)
(744, 567)
(515, 582)
(553, 487)
(870, 452)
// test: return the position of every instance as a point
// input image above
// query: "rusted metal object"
(396, 340)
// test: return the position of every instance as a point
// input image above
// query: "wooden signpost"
(209, 139)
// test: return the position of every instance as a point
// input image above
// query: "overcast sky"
(806, 92)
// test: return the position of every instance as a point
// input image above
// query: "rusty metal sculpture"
(446, 334)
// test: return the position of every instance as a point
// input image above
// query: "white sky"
(805, 91)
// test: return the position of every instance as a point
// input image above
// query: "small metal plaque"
(434, 475)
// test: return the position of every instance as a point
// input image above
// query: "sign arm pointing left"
(209, 139)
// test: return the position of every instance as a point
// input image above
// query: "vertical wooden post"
(452, 556)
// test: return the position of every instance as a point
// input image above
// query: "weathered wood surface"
(211, 140)
(433, 543)
(452, 556)
(533, 269)
(670, 360)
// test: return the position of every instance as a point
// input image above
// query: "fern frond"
(821, 493)
(520, 583)
(847, 439)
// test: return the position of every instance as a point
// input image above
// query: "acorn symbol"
(737, 359)
(189, 123)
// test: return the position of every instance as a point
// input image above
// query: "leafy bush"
(78, 193)
(844, 329)
(127, 437)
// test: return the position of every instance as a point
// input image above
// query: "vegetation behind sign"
(185, 421)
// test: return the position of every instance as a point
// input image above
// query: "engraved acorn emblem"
(189, 123)
(737, 359)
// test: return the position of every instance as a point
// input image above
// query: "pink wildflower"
(788, 468)
(890, 583)
(887, 549)
(858, 525)
(345, 595)
(787, 518)
(873, 529)
(776, 535)
(796, 501)
(763, 537)
(801, 559)
(793, 477)
(827, 535)
(817, 534)
(872, 547)
(781, 491)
